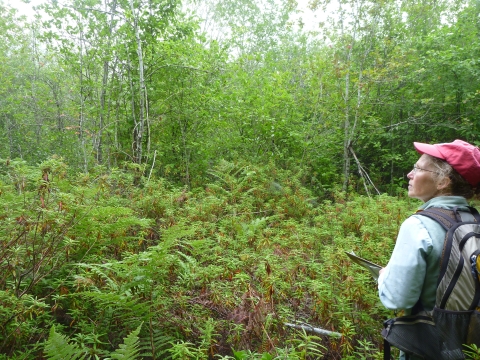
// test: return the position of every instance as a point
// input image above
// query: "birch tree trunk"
(140, 125)
(103, 92)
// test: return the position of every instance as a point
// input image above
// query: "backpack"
(455, 319)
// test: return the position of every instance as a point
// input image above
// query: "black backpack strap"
(417, 308)
(475, 213)
(386, 350)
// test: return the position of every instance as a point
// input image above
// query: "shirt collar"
(446, 202)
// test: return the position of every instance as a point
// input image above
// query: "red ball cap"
(462, 156)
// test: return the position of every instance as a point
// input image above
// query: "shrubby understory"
(93, 264)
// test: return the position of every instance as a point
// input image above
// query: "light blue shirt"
(413, 268)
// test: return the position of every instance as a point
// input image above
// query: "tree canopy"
(177, 87)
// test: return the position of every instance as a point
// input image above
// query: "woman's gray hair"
(458, 185)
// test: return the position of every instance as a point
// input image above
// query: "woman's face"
(423, 184)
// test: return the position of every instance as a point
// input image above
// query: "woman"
(445, 176)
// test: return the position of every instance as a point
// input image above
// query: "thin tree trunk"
(346, 99)
(8, 128)
(104, 89)
(186, 154)
(350, 130)
(81, 123)
(37, 120)
(134, 117)
(142, 92)
(346, 141)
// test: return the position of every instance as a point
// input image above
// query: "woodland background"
(179, 179)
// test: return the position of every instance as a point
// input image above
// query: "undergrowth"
(212, 272)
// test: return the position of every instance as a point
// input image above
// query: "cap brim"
(428, 149)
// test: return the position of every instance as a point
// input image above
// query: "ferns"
(57, 347)
(129, 349)
(222, 268)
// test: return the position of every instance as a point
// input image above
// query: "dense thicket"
(178, 180)
(113, 81)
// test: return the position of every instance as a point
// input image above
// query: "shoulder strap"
(448, 218)
(386, 350)
(475, 213)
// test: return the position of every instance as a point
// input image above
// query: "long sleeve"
(400, 284)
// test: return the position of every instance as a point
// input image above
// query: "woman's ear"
(444, 184)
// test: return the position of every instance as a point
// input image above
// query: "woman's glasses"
(416, 169)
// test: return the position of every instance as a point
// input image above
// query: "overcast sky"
(310, 19)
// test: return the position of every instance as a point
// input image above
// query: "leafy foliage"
(103, 84)
(128, 350)
(198, 192)
(472, 352)
(206, 271)
(57, 347)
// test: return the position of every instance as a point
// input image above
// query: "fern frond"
(129, 349)
(57, 347)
